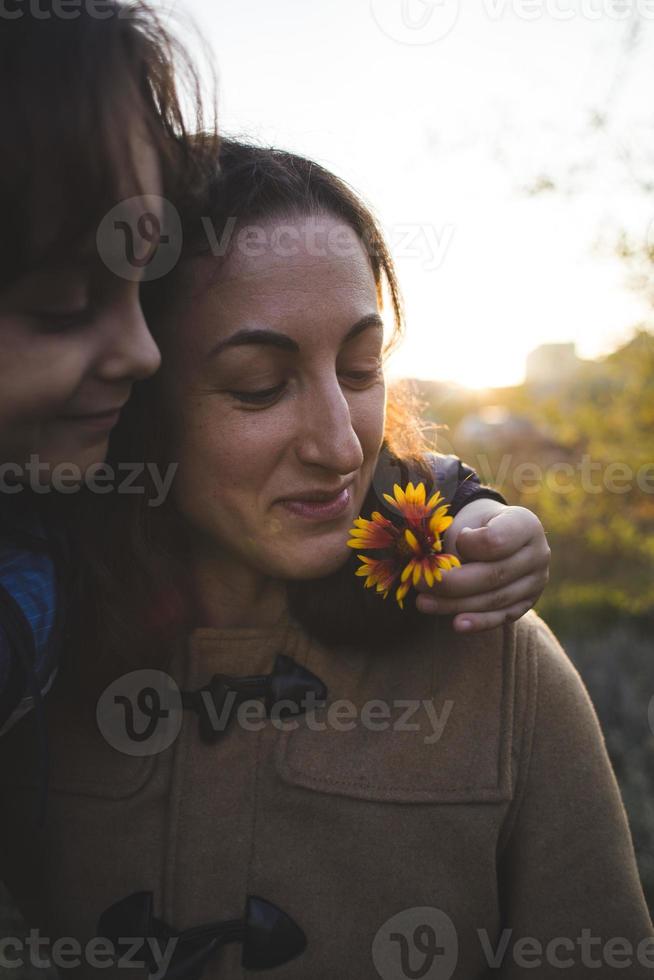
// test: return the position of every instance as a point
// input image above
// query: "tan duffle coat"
(449, 812)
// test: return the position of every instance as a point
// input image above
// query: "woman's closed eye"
(361, 375)
(60, 321)
(265, 396)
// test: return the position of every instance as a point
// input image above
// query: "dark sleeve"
(459, 483)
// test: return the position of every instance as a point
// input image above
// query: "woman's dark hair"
(69, 87)
(255, 183)
(138, 589)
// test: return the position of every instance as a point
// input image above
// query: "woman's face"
(273, 375)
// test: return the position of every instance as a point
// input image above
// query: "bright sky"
(441, 117)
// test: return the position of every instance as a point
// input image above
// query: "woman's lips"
(320, 510)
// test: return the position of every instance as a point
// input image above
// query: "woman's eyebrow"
(272, 338)
(373, 320)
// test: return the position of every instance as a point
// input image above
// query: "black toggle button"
(214, 703)
(270, 937)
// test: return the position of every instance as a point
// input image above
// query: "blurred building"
(551, 364)
(495, 426)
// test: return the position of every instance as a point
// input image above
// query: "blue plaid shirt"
(28, 594)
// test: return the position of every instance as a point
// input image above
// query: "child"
(91, 117)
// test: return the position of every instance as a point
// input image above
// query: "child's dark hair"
(69, 88)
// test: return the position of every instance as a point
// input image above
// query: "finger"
(484, 576)
(480, 622)
(526, 588)
(504, 534)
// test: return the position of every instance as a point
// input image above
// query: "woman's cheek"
(225, 450)
(368, 415)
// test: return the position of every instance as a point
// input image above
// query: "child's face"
(273, 374)
(72, 342)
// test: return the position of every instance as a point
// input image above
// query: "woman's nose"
(326, 436)
(129, 351)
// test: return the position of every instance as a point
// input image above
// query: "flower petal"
(434, 500)
(412, 541)
(439, 524)
(401, 593)
(399, 494)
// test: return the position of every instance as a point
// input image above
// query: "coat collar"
(242, 650)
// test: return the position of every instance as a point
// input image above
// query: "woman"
(451, 805)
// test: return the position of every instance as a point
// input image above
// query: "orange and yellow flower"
(413, 549)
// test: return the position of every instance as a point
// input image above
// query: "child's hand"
(506, 568)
